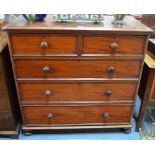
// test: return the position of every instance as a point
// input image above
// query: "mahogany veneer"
(76, 115)
(72, 76)
(77, 91)
(77, 68)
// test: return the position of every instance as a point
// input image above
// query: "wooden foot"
(127, 130)
(27, 132)
(14, 136)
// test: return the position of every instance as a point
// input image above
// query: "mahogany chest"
(77, 76)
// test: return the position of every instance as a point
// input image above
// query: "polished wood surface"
(85, 75)
(77, 68)
(103, 45)
(83, 115)
(132, 26)
(89, 91)
(43, 44)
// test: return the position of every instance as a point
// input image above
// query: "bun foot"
(14, 136)
(127, 130)
(27, 132)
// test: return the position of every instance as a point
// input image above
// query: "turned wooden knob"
(50, 116)
(114, 46)
(106, 115)
(48, 93)
(44, 44)
(108, 92)
(46, 69)
(111, 69)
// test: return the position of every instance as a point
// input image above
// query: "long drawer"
(43, 92)
(43, 44)
(56, 115)
(77, 68)
(113, 45)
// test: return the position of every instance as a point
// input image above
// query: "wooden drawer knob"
(46, 69)
(106, 115)
(50, 116)
(111, 69)
(114, 46)
(108, 93)
(48, 93)
(44, 44)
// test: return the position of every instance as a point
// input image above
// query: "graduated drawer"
(44, 92)
(77, 68)
(56, 115)
(43, 44)
(113, 44)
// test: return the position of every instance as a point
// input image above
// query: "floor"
(113, 135)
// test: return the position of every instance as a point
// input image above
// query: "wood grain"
(31, 44)
(76, 115)
(132, 26)
(102, 44)
(78, 57)
(77, 68)
(76, 91)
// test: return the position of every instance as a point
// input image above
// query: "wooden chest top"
(132, 26)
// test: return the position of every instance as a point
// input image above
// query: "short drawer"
(44, 92)
(113, 45)
(74, 115)
(42, 45)
(77, 68)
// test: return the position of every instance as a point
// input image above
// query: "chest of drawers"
(74, 76)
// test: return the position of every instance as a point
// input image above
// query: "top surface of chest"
(131, 26)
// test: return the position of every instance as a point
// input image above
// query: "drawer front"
(76, 115)
(40, 45)
(65, 91)
(113, 45)
(77, 68)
